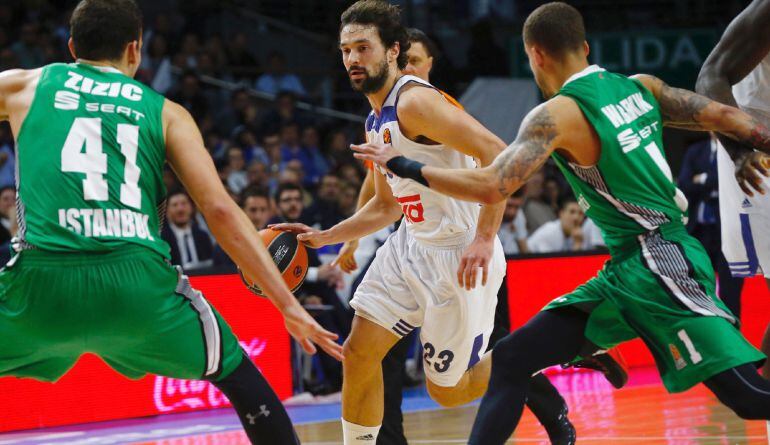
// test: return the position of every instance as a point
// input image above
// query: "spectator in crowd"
(257, 175)
(564, 234)
(351, 173)
(552, 192)
(276, 79)
(311, 145)
(291, 150)
(190, 95)
(8, 226)
(256, 204)
(699, 183)
(191, 247)
(233, 116)
(319, 287)
(348, 199)
(284, 112)
(325, 211)
(241, 62)
(513, 229)
(237, 179)
(536, 210)
(187, 56)
(27, 49)
(338, 150)
(252, 151)
(155, 69)
(7, 156)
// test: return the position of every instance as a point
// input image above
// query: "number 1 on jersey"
(88, 131)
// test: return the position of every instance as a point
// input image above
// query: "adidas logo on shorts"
(365, 437)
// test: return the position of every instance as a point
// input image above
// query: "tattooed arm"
(690, 111)
(684, 109)
(491, 184)
(743, 45)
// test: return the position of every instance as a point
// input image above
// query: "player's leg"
(550, 338)
(168, 328)
(766, 344)
(362, 383)
(743, 390)
(392, 430)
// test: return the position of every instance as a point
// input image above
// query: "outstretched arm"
(738, 131)
(492, 184)
(232, 229)
(743, 45)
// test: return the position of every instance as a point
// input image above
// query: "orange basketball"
(289, 255)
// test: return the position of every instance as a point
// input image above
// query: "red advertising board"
(91, 391)
(533, 282)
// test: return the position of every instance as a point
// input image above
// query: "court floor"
(642, 413)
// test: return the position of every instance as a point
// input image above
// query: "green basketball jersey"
(630, 190)
(90, 162)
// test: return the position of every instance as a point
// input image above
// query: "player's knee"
(357, 355)
(443, 395)
(510, 353)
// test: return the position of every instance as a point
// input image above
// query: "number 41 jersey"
(90, 160)
(432, 218)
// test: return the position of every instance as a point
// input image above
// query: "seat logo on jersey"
(627, 110)
(386, 136)
(412, 208)
(629, 140)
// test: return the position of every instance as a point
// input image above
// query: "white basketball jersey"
(431, 217)
(752, 95)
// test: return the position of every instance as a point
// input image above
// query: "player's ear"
(134, 51)
(586, 48)
(71, 46)
(394, 51)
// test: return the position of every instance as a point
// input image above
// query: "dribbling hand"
(305, 234)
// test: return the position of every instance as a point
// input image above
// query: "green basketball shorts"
(664, 293)
(129, 307)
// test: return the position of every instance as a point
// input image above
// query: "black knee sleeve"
(261, 412)
(744, 391)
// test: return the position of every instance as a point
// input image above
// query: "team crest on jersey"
(386, 136)
(678, 360)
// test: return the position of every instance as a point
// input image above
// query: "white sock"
(353, 434)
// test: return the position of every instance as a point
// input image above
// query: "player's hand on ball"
(748, 171)
(476, 256)
(307, 331)
(306, 234)
(378, 153)
(346, 258)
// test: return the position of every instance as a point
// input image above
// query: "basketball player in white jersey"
(443, 267)
(737, 73)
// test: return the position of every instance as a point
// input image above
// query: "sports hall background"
(265, 83)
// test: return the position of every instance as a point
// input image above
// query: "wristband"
(407, 168)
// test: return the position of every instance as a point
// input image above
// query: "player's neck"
(110, 64)
(377, 99)
(567, 68)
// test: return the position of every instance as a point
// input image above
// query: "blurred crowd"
(279, 163)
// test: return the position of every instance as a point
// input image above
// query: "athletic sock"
(353, 434)
(261, 412)
(545, 402)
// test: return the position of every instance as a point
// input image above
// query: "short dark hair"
(286, 187)
(417, 36)
(101, 29)
(557, 27)
(254, 192)
(386, 18)
(178, 191)
(566, 200)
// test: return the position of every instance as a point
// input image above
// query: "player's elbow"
(489, 195)
(217, 211)
(707, 80)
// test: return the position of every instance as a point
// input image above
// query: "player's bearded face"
(366, 81)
